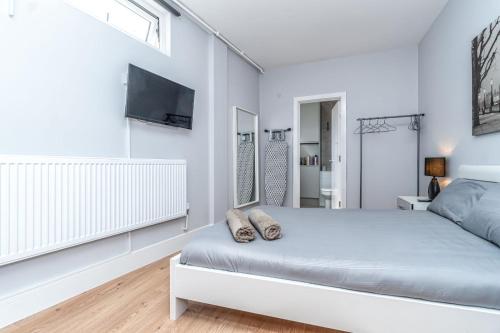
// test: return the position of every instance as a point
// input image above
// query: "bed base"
(329, 307)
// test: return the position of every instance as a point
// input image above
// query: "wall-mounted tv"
(156, 99)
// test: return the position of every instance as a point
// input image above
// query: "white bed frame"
(335, 308)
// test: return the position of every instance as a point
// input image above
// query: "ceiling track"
(210, 29)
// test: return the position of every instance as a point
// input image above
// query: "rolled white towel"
(268, 228)
(241, 228)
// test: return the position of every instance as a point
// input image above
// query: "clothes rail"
(364, 128)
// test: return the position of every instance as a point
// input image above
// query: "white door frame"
(297, 101)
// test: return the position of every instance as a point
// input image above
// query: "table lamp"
(435, 167)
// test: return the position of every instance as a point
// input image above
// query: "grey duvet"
(415, 254)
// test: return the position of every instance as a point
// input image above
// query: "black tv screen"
(153, 98)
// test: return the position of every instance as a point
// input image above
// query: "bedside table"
(412, 203)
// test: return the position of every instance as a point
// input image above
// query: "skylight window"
(141, 19)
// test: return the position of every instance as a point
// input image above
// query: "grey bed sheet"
(415, 254)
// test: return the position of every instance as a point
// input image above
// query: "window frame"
(150, 7)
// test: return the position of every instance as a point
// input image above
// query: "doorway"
(319, 151)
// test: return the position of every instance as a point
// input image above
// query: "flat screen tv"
(156, 99)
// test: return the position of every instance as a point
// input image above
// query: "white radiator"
(47, 204)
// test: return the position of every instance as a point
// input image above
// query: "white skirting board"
(25, 303)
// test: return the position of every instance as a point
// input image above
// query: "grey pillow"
(484, 219)
(457, 199)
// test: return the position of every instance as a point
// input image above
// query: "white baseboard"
(28, 302)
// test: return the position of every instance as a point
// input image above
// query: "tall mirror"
(245, 157)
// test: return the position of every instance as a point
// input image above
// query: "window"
(141, 19)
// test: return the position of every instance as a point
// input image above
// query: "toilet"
(327, 191)
(328, 195)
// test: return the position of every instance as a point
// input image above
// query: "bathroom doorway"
(319, 152)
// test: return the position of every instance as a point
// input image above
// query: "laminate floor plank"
(138, 302)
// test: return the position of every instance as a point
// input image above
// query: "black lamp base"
(434, 188)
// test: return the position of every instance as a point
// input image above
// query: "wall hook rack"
(277, 134)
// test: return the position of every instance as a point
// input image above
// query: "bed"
(353, 270)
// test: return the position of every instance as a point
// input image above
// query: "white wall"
(236, 83)
(61, 93)
(222, 127)
(243, 92)
(445, 86)
(376, 84)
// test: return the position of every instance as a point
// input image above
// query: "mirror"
(245, 157)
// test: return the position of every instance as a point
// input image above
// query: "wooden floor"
(139, 302)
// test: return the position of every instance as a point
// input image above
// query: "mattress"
(415, 254)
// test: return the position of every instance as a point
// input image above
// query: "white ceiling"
(281, 32)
